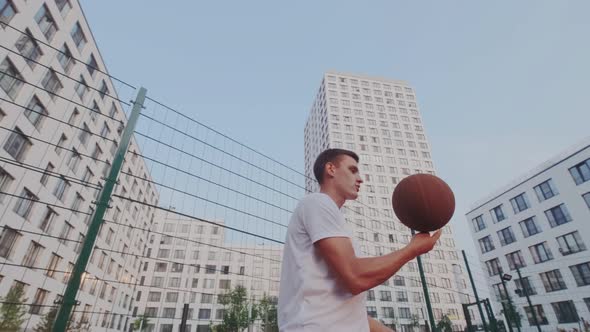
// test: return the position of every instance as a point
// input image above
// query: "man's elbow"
(355, 285)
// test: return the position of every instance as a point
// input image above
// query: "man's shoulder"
(316, 199)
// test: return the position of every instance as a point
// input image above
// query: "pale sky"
(502, 85)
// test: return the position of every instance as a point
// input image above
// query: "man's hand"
(423, 242)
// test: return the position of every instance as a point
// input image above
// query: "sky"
(502, 86)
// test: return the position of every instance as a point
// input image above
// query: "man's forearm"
(376, 326)
(372, 271)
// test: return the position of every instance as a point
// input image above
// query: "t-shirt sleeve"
(322, 220)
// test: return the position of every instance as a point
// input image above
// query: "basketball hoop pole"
(425, 289)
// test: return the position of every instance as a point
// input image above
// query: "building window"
(558, 215)
(53, 264)
(520, 203)
(177, 267)
(541, 252)
(524, 287)
(84, 134)
(64, 56)
(32, 254)
(540, 313)
(581, 273)
(76, 206)
(92, 65)
(46, 22)
(5, 181)
(46, 224)
(565, 311)
(529, 227)
(96, 153)
(51, 83)
(210, 269)
(104, 90)
(64, 234)
(74, 160)
(7, 11)
(581, 172)
(546, 190)
(172, 297)
(61, 188)
(515, 260)
(401, 296)
(208, 298)
(570, 243)
(493, 266)
(80, 243)
(154, 296)
(553, 281)
(486, 244)
(478, 223)
(497, 213)
(78, 36)
(224, 284)
(25, 203)
(35, 112)
(169, 312)
(81, 88)
(17, 144)
(113, 111)
(11, 80)
(64, 7)
(404, 312)
(28, 47)
(204, 313)
(8, 241)
(151, 311)
(38, 301)
(506, 236)
(45, 176)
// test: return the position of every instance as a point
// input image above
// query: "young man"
(324, 275)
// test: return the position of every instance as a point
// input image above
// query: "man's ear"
(330, 169)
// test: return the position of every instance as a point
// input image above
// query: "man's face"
(347, 178)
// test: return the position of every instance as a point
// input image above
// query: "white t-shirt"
(311, 298)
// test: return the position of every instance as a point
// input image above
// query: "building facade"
(539, 224)
(379, 120)
(60, 122)
(191, 263)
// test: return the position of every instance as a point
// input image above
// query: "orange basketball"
(423, 202)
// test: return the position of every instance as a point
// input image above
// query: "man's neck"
(338, 199)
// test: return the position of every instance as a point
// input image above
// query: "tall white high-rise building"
(539, 223)
(59, 127)
(380, 121)
(191, 263)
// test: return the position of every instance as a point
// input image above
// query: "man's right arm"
(360, 274)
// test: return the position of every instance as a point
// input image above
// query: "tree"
(512, 314)
(141, 323)
(445, 324)
(239, 313)
(267, 311)
(46, 322)
(12, 311)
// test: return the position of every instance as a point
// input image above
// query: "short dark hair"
(330, 156)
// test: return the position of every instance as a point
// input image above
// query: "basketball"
(423, 202)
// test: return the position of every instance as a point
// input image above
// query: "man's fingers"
(437, 235)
